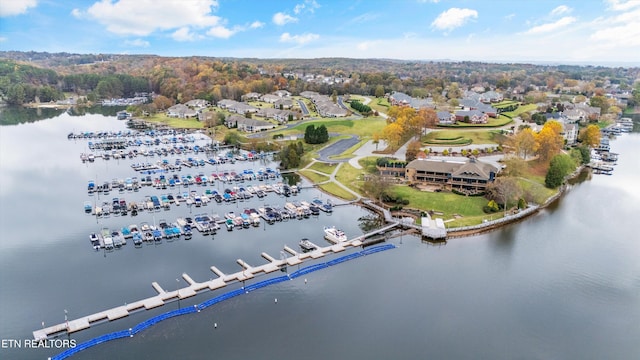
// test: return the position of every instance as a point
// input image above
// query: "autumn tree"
(428, 118)
(376, 139)
(524, 142)
(601, 102)
(393, 134)
(162, 102)
(549, 141)
(590, 135)
(376, 187)
(412, 150)
(514, 166)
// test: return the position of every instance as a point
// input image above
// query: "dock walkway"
(194, 287)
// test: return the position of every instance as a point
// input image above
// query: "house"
(469, 177)
(252, 96)
(570, 132)
(237, 107)
(446, 118)
(269, 98)
(574, 115)
(197, 103)
(282, 93)
(329, 109)
(471, 116)
(280, 115)
(283, 104)
(402, 99)
(491, 97)
(248, 125)
(181, 111)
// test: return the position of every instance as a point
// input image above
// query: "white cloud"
(16, 7)
(221, 32)
(365, 45)
(562, 9)
(308, 6)
(621, 5)
(510, 16)
(184, 34)
(256, 25)
(77, 13)
(298, 39)
(3, 39)
(545, 28)
(429, 1)
(137, 43)
(621, 30)
(453, 18)
(282, 18)
(142, 17)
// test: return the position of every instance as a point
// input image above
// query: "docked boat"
(95, 241)
(334, 235)
(307, 245)
(229, 224)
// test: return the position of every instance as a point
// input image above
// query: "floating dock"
(194, 287)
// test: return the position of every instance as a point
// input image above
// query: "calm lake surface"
(563, 284)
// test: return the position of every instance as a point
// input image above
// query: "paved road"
(303, 107)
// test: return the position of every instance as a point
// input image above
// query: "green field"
(460, 137)
(377, 104)
(335, 190)
(323, 167)
(313, 176)
(360, 127)
(175, 122)
(447, 203)
(521, 109)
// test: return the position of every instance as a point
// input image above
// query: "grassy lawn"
(504, 103)
(446, 203)
(361, 127)
(460, 137)
(335, 190)
(323, 167)
(351, 177)
(521, 109)
(175, 122)
(538, 191)
(377, 104)
(313, 177)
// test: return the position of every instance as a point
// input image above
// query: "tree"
(16, 95)
(524, 143)
(379, 92)
(590, 135)
(393, 134)
(376, 139)
(412, 150)
(561, 165)
(549, 141)
(162, 102)
(428, 118)
(505, 189)
(376, 187)
(514, 166)
(601, 102)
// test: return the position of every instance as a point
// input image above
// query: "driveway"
(303, 107)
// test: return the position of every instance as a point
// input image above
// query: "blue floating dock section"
(226, 296)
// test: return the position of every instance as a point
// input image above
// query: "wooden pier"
(163, 296)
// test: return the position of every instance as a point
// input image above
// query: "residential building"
(181, 111)
(197, 103)
(446, 118)
(401, 99)
(468, 177)
(471, 116)
(252, 96)
(283, 104)
(237, 107)
(247, 125)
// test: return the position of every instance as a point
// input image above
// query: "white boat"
(334, 235)
(307, 245)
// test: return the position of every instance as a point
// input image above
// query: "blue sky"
(587, 31)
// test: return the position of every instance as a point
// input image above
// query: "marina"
(584, 280)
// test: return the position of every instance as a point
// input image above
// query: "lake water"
(563, 284)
